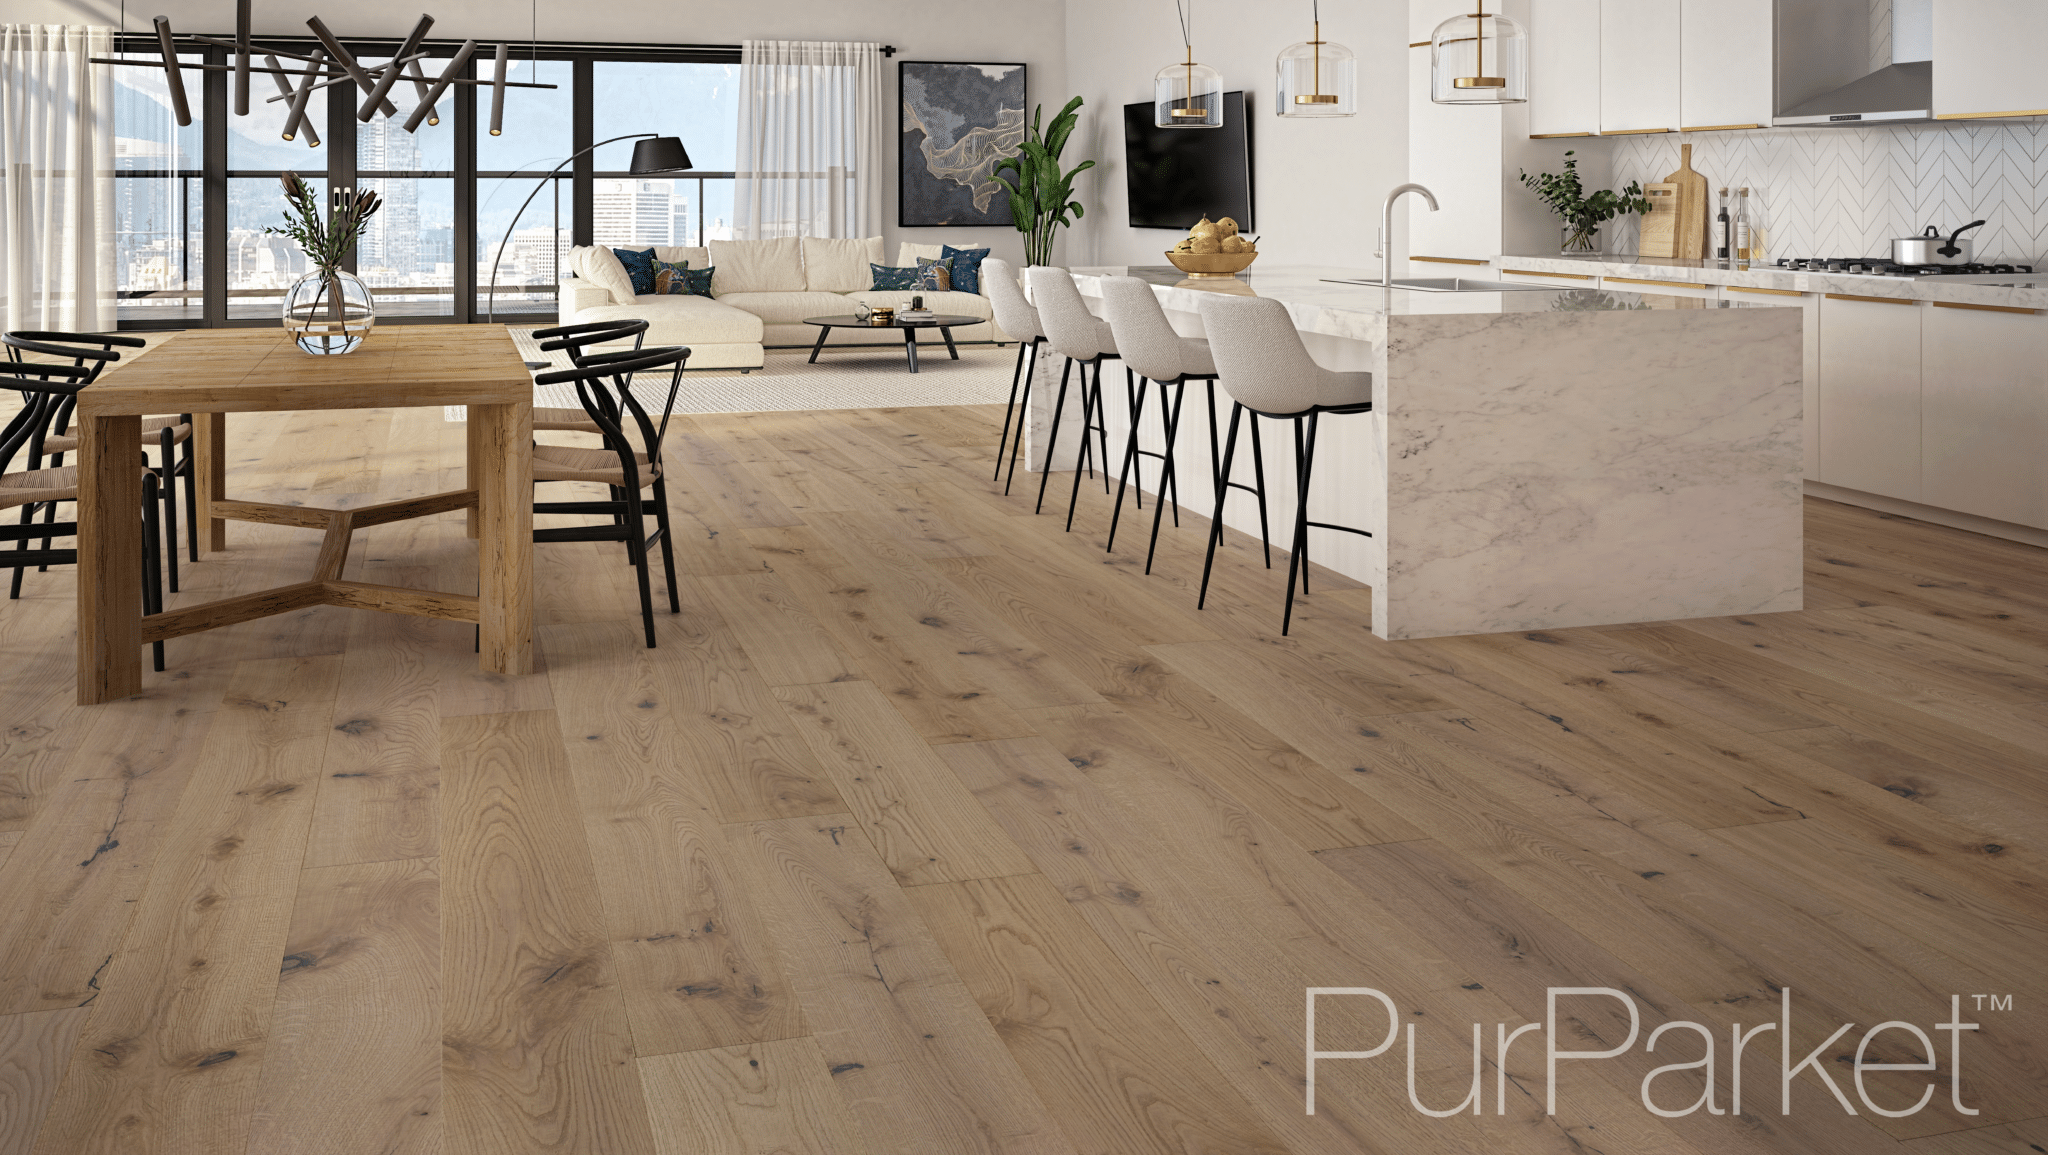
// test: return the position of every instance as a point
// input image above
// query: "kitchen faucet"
(1387, 229)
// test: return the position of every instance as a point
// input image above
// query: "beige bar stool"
(1076, 334)
(1014, 316)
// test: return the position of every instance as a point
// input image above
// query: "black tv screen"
(1176, 175)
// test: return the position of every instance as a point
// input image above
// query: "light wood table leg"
(501, 470)
(211, 461)
(469, 434)
(109, 558)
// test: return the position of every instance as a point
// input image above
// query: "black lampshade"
(660, 154)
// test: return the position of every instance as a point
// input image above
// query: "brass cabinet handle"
(1772, 292)
(1534, 273)
(1989, 115)
(1632, 131)
(1876, 300)
(1449, 260)
(1984, 308)
(1669, 284)
(1718, 127)
(1556, 135)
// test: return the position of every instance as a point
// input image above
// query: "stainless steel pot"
(1930, 249)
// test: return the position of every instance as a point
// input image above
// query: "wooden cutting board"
(1660, 224)
(1691, 226)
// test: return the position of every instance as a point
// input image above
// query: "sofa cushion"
(639, 266)
(839, 264)
(696, 258)
(935, 274)
(787, 308)
(966, 267)
(681, 279)
(775, 266)
(599, 266)
(890, 277)
(907, 253)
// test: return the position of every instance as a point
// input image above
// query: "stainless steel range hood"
(1848, 62)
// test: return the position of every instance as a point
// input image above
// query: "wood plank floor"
(930, 829)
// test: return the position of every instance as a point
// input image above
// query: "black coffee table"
(945, 323)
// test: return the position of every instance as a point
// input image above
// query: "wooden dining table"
(211, 373)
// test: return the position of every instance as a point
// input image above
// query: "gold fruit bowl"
(1212, 264)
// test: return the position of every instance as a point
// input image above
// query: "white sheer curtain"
(813, 125)
(57, 194)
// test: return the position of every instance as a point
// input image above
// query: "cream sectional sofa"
(761, 294)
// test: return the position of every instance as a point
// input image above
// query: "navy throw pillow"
(681, 280)
(892, 277)
(966, 268)
(639, 268)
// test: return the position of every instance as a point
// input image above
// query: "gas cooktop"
(1879, 267)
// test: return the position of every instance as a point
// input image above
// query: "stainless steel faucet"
(1384, 252)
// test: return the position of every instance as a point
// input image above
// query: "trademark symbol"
(1998, 1002)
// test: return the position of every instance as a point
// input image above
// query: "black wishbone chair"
(44, 388)
(579, 341)
(604, 386)
(95, 351)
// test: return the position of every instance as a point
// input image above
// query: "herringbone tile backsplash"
(1846, 192)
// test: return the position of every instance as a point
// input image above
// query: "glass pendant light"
(1316, 77)
(1479, 58)
(1187, 95)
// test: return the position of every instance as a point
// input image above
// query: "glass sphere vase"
(329, 312)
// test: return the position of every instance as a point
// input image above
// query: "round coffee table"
(943, 322)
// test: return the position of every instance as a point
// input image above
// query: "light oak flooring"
(930, 829)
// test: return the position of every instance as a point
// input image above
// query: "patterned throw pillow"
(892, 277)
(639, 267)
(681, 280)
(935, 276)
(966, 268)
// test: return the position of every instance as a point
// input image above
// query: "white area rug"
(842, 379)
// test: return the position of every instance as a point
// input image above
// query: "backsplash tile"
(1846, 192)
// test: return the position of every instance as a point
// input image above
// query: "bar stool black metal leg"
(1102, 422)
(1298, 562)
(1130, 455)
(1091, 405)
(1010, 410)
(1259, 477)
(1131, 396)
(1052, 438)
(1023, 418)
(1168, 474)
(1222, 491)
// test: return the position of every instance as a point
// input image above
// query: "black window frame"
(338, 140)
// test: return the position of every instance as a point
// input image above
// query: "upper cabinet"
(1987, 56)
(1724, 64)
(1564, 67)
(1639, 66)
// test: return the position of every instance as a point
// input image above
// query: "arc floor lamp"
(656, 154)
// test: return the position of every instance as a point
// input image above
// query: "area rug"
(842, 379)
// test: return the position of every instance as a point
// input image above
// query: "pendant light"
(1316, 78)
(1187, 95)
(1479, 58)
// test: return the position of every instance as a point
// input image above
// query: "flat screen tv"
(1175, 175)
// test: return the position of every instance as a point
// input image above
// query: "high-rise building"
(638, 212)
(391, 240)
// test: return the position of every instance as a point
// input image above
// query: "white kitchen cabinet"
(1984, 413)
(1870, 396)
(1724, 64)
(1994, 52)
(1639, 65)
(1564, 67)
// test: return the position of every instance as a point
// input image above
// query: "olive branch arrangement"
(1584, 214)
(326, 243)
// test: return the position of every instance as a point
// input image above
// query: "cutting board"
(1660, 224)
(1691, 226)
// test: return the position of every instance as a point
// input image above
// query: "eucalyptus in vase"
(1581, 213)
(328, 310)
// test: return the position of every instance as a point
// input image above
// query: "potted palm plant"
(328, 309)
(1041, 196)
(1583, 214)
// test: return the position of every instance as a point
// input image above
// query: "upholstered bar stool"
(1162, 357)
(1076, 334)
(1015, 316)
(1270, 373)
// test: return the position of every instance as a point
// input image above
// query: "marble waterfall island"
(1535, 459)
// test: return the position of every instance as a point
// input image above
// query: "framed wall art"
(958, 120)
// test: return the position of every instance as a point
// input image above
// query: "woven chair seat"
(564, 420)
(151, 426)
(38, 485)
(564, 463)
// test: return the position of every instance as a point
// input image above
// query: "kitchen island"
(1534, 459)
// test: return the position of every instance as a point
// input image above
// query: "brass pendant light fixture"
(1479, 58)
(1187, 95)
(1315, 78)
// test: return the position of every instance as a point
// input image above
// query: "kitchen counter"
(2030, 290)
(1534, 460)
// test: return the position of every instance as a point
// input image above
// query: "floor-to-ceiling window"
(193, 202)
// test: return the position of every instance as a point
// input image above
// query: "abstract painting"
(959, 120)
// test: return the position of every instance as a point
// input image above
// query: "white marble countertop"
(2030, 290)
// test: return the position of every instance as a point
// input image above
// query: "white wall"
(1317, 184)
(1032, 32)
